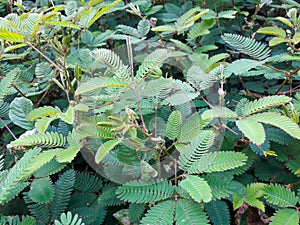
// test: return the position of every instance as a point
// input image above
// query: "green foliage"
(18, 110)
(285, 216)
(280, 196)
(14, 180)
(41, 190)
(251, 47)
(69, 219)
(177, 129)
(264, 104)
(63, 189)
(142, 192)
(7, 82)
(173, 125)
(188, 212)
(218, 161)
(218, 212)
(47, 139)
(197, 187)
(161, 213)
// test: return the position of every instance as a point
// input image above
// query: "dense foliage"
(150, 112)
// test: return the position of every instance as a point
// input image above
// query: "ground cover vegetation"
(149, 112)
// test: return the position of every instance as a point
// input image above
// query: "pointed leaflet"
(285, 217)
(67, 155)
(280, 196)
(102, 11)
(189, 212)
(104, 149)
(252, 130)
(6, 83)
(264, 103)
(41, 190)
(97, 83)
(18, 110)
(277, 120)
(160, 214)
(63, 189)
(197, 187)
(218, 162)
(218, 212)
(217, 112)
(173, 125)
(275, 31)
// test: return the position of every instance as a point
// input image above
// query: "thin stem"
(278, 70)
(250, 24)
(130, 55)
(281, 86)
(140, 110)
(9, 130)
(45, 57)
(42, 98)
(68, 78)
(228, 128)
(295, 71)
(21, 93)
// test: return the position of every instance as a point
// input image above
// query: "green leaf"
(252, 130)
(42, 112)
(63, 24)
(46, 139)
(102, 11)
(98, 83)
(237, 201)
(218, 161)
(229, 14)
(217, 112)
(254, 190)
(255, 203)
(189, 212)
(218, 212)
(275, 31)
(280, 196)
(67, 155)
(174, 124)
(251, 47)
(42, 124)
(163, 28)
(197, 187)
(7, 82)
(277, 120)
(18, 110)
(264, 103)
(296, 38)
(160, 214)
(41, 190)
(68, 116)
(241, 66)
(12, 37)
(285, 21)
(285, 217)
(69, 219)
(63, 189)
(104, 149)
(276, 41)
(145, 192)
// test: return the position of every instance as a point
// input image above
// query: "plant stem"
(45, 57)
(21, 93)
(281, 86)
(140, 111)
(9, 130)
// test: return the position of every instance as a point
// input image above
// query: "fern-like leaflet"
(248, 46)
(142, 192)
